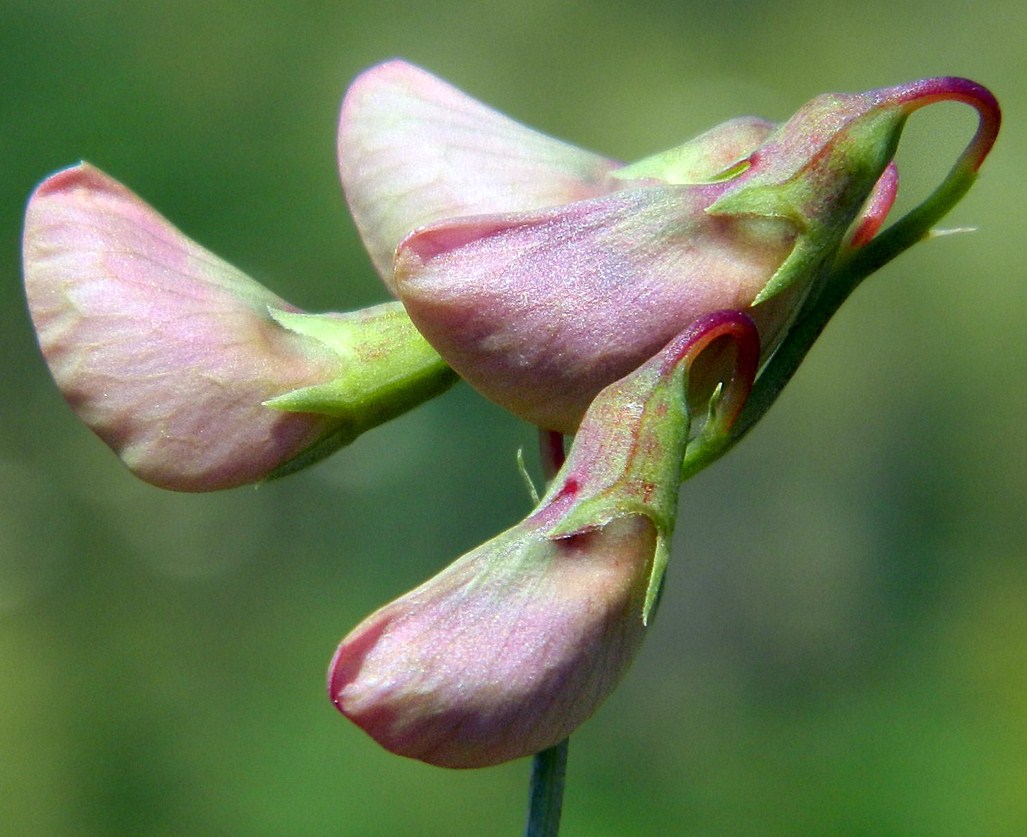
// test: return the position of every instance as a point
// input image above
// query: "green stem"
(548, 770)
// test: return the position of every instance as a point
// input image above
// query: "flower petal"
(541, 310)
(505, 652)
(414, 150)
(165, 351)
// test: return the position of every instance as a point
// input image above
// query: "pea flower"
(542, 272)
(194, 374)
(513, 646)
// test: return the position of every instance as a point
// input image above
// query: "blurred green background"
(842, 646)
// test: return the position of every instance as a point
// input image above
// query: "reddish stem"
(552, 452)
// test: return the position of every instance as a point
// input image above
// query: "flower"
(547, 276)
(513, 646)
(195, 375)
(542, 272)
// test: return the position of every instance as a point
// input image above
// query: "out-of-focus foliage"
(842, 645)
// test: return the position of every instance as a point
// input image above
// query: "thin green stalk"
(841, 282)
(548, 770)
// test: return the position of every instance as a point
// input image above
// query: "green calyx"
(627, 456)
(850, 265)
(820, 188)
(385, 369)
(626, 461)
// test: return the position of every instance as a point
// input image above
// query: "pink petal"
(165, 351)
(876, 208)
(505, 652)
(541, 310)
(414, 150)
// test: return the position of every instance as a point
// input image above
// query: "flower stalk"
(548, 778)
(549, 767)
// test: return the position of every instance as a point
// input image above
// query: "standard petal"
(505, 652)
(414, 150)
(541, 310)
(165, 351)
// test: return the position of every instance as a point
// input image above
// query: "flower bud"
(513, 646)
(195, 375)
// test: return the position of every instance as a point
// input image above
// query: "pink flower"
(171, 356)
(516, 644)
(504, 653)
(542, 272)
(549, 278)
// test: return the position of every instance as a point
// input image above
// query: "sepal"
(386, 367)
